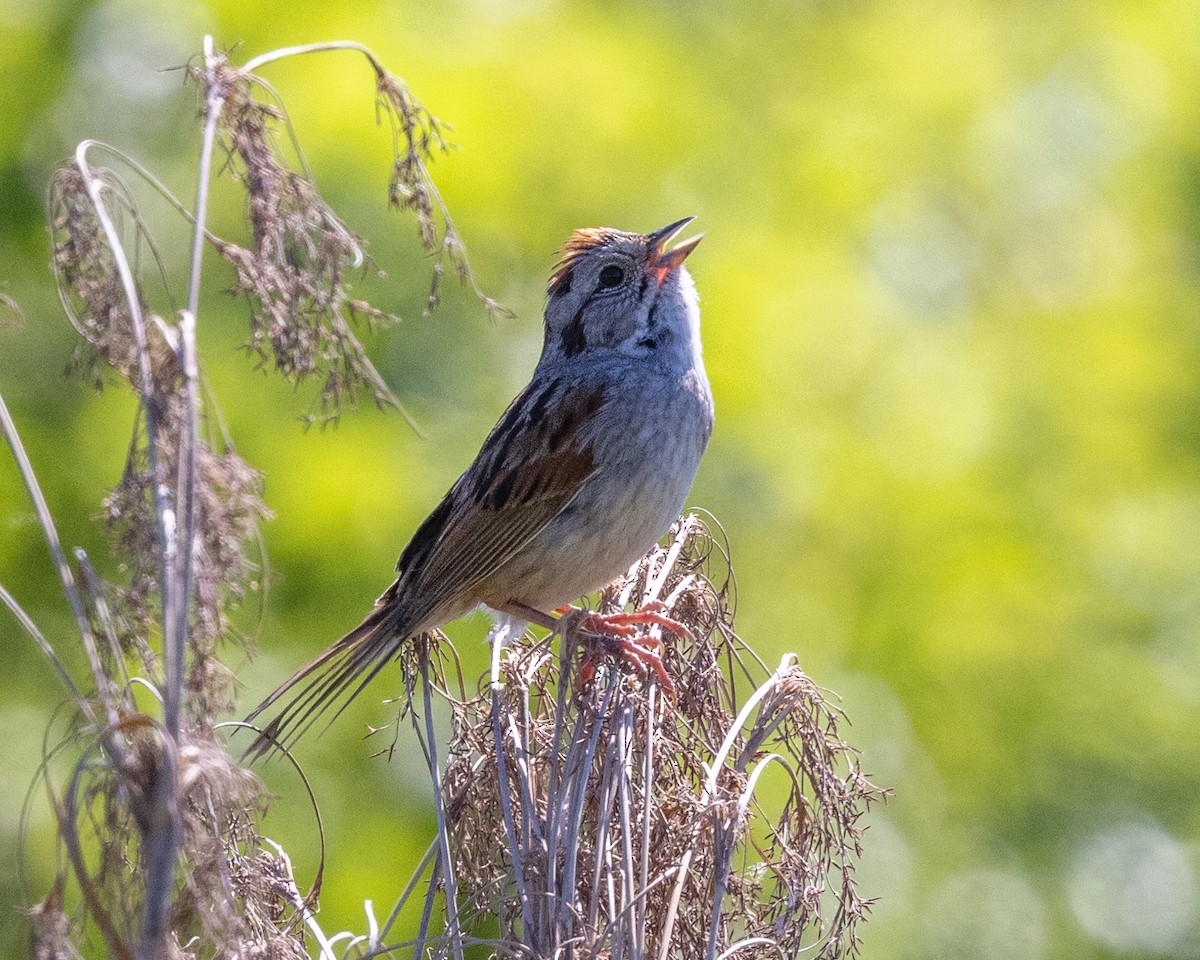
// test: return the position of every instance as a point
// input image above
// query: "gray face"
(617, 291)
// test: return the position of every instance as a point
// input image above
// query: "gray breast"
(648, 446)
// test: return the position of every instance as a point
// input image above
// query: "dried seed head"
(138, 789)
(605, 793)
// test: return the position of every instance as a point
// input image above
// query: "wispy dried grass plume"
(293, 273)
(580, 814)
(159, 849)
(723, 820)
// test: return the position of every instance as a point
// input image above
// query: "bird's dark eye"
(611, 276)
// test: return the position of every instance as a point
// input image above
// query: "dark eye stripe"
(573, 338)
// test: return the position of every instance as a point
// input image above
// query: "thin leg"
(523, 612)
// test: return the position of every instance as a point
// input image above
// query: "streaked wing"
(530, 468)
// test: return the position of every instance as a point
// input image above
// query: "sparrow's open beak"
(663, 260)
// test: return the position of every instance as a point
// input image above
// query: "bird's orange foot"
(619, 631)
(625, 624)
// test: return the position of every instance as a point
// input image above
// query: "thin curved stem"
(163, 512)
(25, 468)
(301, 49)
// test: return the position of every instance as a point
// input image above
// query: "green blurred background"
(950, 297)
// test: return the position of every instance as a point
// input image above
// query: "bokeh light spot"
(1133, 889)
(986, 914)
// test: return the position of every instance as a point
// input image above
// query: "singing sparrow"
(587, 468)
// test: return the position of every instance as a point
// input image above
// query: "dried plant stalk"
(294, 273)
(227, 500)
(156, 822)
(609, 820)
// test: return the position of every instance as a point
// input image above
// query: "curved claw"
(642, 652)
(647, 658)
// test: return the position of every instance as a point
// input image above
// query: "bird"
(585, 471)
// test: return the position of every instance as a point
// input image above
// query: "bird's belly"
(629, 505)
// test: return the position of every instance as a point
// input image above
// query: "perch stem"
(506, 807)
(710, 788)
(443, 829)
(25, 468)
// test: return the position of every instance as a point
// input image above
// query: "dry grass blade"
(615, 822)
(157, 827)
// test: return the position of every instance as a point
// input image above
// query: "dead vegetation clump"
(157, 823)
(724, 819)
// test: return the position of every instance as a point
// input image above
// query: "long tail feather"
(316, 686)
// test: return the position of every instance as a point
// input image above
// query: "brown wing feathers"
(520, 481)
